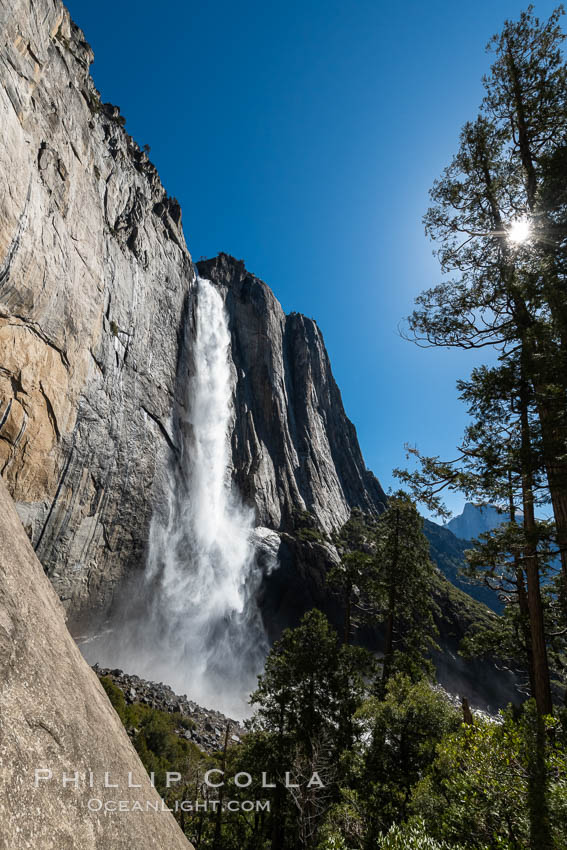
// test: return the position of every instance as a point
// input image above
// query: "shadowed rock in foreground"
(54, 715)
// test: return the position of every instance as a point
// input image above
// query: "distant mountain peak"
(476, 519)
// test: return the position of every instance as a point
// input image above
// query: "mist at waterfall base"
(195, 624)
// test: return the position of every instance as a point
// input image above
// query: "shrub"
(115, 696)
(411, 836)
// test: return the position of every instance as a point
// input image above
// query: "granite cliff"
(95, 281)
(96, 291)
(477, 519)
(293, 447)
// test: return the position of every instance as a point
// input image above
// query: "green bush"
(115, 696)
(411, 836)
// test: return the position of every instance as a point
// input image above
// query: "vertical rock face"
(294, 448)
(95, 280)
(55, 716)
(96, 318)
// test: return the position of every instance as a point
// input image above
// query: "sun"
(519, 231)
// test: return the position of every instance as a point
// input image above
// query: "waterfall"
(199, 628)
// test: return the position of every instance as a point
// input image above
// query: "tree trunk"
(277, 824)
(467, 713)
(388, 647)
(540, 829)
(525, 624)
(556, 472)
(523, 137)
(522, 596)
(537, 631)
(553, 435)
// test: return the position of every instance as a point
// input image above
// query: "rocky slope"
(54, 715)
(448, 552)
(206, 727)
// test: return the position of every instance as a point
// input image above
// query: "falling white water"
(199, 629)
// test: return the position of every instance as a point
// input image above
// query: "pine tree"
(501, 463)
(352, 578)
(508, 291)
(502, 459)
(306, 698)
(403, 583)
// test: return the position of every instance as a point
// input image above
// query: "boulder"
(55, 718)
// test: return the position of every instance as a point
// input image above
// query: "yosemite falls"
(197, 625)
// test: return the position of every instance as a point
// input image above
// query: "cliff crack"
(33, 55)
(34, 328)
(40, 724)
(58, 491)
(14, 443)
(50, 412)
(98, 363)
(15, 244)
(5, 414)
(163, 430)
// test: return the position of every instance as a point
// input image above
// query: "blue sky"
(303, 137)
